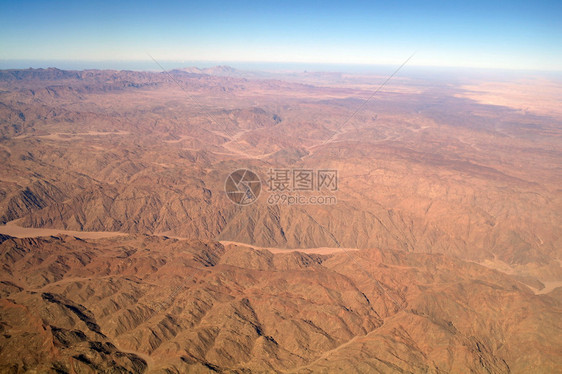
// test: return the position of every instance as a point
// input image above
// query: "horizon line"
(4, 62)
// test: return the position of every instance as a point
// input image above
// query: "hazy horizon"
(266, 67)
(516, 35)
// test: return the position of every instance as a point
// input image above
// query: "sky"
(484, 34)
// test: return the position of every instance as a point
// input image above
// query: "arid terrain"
(440, 251)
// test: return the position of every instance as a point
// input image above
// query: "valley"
(122, 251)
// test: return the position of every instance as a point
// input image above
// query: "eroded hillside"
(152, 304)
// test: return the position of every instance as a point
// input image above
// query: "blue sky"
(502, 34)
